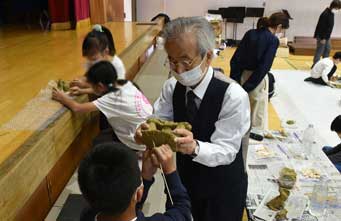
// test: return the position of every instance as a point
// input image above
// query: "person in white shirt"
(209, 161)
(98, 45)
(323, 71)
(124, 106)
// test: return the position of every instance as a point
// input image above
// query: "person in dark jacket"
(324, 30)
(334, 154)
(252, 61)
(110, 180)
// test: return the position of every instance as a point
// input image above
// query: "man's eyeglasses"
(185, 64)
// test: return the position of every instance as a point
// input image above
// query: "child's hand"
(164, 156)
(76, 91)
(148, 167)
(78, 83)
(58, 95)
(138, 133)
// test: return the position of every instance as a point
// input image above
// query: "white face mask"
(191, 77)
(279, 35)
(335, 11)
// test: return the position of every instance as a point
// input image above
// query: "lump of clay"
(161, 132)
(287, 178)
(281, 215)
(277, 203)
(63, 85)
(283, 133)
(290, 122)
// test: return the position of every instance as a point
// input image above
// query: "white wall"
(127, 10)
(147, 9)
(304, 12)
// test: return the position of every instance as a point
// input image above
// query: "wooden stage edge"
(34, 175)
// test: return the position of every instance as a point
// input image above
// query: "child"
(110, 180)
(334, 154)
(324, 70)
(124, 106)
(98, 45)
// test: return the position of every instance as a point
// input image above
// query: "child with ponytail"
(124, 106)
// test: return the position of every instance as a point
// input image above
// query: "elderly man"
(210, 161)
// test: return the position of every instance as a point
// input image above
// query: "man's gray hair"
(199, 26)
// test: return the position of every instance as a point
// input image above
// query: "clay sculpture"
(63, 85)
(161, 132)
(287, 178)
(277, 203)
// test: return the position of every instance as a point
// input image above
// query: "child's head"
(336, 125)
(102, 77)
(337, 57)
(98, 44)
(110, 180)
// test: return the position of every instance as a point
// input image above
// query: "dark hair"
(278, 18)
(98, 40)
(108, 177)
(162, 15)
(336, 124)
(337, 55)
(102, 72)
(335, 4)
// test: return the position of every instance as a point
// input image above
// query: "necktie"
(192, 108)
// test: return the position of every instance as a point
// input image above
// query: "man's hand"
(138, 133)
(58, 95)
(185, 142)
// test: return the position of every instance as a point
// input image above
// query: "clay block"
(287, 178)
(161, 132)
(277, 203)
(281, 215)
(63, 85)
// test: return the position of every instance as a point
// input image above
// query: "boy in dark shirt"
(111, 181)
(334, 154)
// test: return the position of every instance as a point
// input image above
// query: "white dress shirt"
(232, 124)
(322, 69)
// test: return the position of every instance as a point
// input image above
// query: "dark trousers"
(222, 208)
(322, 50)
(316, 80)
(326, 149)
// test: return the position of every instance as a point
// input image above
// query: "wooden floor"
(29, 59)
